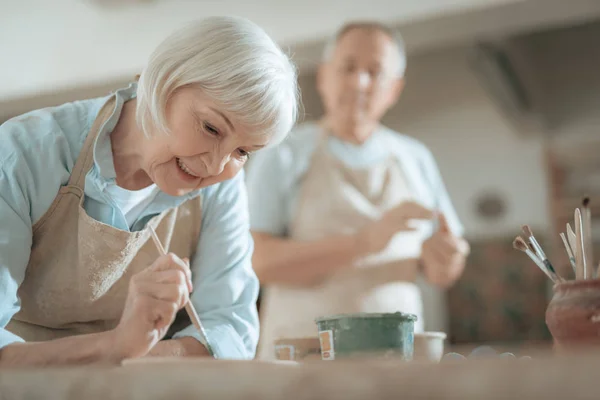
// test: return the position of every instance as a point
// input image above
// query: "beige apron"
(77, 277)
(336, 199)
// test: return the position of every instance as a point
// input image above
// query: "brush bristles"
(527, 231)
(520, 244)
(586, 201)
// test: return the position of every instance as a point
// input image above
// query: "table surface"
(547, 376)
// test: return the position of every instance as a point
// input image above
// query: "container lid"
(429, 334)
(396, 315)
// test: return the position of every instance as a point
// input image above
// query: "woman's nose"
(218, 164)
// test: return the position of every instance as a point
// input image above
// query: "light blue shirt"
(274, 176)
(37, 153)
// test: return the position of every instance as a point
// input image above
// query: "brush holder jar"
(573, 315)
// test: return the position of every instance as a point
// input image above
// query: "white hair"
(235, 63)
(392, 33)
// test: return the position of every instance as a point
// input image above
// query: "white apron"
(336, 199)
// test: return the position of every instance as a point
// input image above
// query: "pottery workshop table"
(565, 377)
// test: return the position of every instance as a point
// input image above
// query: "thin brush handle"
(572, 241)
(579, 255)
(540, 265)
(189, 307)
(569, 251)
(537, 248)
(542, 257)
(548, 265)
(587, 240)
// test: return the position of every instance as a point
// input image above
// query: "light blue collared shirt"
(274, 176)
(38, 150)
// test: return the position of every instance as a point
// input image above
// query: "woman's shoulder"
(38, 150)
(233, 184)
(225, 200)
(50, 131)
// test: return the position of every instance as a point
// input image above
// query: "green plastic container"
(367, 335)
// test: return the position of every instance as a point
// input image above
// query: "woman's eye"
(244, 153)
(211, 129)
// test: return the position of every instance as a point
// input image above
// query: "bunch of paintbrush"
(578, 245)
(532, 248)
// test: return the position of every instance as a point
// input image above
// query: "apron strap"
(86, 155)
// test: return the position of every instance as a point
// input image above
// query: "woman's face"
(205, 145)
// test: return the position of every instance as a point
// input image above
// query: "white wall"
(54, 45)
(445, 107)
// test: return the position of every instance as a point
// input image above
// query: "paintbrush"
(569, 251)
(189, 307)
(572, 238)
(581, 272)
(587, 236)
(539, 252)
(520, 244)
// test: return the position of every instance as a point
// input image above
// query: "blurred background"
(505, 93)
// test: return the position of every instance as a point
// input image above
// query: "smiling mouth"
(185, 169)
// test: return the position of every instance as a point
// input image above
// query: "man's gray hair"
(369, 25)
(235, 63)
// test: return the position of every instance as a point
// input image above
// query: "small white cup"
(429, 346)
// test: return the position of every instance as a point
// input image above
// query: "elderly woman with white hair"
(83, 184)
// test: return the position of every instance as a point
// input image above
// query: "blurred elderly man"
(347, 213)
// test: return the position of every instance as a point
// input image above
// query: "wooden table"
(565, 377)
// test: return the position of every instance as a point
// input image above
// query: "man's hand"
(376, 236)
(443, 256)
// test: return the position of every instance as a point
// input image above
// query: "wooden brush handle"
(189, 307)
(579, 256)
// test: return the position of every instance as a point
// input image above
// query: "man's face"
(360, 81)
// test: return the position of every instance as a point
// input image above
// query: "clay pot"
(573, 315)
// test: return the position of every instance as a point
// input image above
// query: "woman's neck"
(127, 141)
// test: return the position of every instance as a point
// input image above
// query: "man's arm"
(299, 263)
(279, 260)
(445, 253)
(303, 263)
(443, 256)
